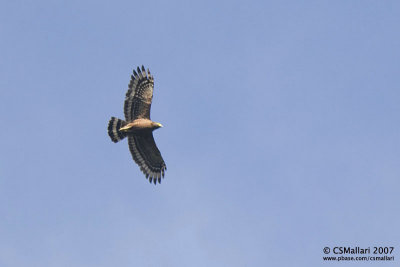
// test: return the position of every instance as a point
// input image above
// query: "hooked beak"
(159, 125)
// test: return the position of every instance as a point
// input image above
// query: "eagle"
(138, 126)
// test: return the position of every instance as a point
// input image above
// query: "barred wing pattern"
(139, 95)
(146, 154)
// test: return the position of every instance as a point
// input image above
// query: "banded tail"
(113, 129)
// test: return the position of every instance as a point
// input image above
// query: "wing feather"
(146, 154)
(139, 95)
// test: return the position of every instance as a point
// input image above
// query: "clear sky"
(281, 132)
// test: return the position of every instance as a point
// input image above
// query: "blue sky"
(281, 132)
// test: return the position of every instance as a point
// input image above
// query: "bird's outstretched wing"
(146, 154)
(139, 95)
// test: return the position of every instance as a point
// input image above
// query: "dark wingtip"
(144, 73)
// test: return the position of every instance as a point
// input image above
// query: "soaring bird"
(138, 127)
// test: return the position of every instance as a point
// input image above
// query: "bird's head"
(157, 125)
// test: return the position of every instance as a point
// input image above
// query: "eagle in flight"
(138, 127)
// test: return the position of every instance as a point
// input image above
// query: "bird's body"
(138, 127)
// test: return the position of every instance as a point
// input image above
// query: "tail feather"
(113, 129)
